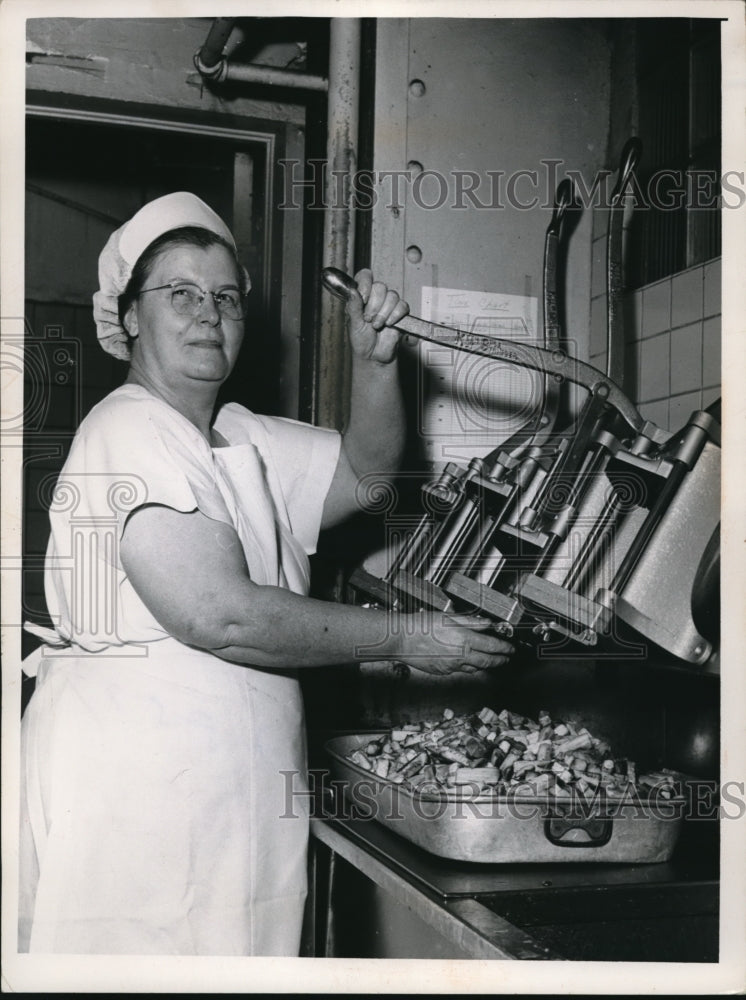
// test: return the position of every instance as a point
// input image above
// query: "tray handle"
(560, 830)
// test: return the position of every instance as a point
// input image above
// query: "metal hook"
(563, 200)
(629, 159)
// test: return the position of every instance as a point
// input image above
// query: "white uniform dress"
(156, 817)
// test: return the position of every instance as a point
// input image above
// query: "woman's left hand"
(372, 312)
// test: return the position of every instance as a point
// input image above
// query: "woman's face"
(174, 350)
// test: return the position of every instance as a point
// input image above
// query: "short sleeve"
(132, 451)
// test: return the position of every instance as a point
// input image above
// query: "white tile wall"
(656, 308)
(656, 412)
(710, 396)
(686, 358)
(633, 315)
(654, 375)
(673, 334)
(687, 290)
(711, 352)
(713, 282)
(680, 408)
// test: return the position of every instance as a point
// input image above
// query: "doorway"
(86, 173)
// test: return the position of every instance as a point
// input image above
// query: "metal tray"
(501, 829)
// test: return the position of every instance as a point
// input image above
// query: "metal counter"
(605, 912)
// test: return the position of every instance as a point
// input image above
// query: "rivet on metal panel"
(414, 254)
(415, 167)
(417, 88)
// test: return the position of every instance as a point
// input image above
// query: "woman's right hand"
(439, 643)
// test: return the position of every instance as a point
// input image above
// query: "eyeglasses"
(187, 299)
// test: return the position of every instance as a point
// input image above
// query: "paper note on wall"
(468, 405)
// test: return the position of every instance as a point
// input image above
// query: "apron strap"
(30, 665)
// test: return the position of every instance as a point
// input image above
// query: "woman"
(177, 576)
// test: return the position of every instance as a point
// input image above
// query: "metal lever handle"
(551, 362)
(552, 334)
(628, 163)
(337, 282)
(563, 200)
(615, 338)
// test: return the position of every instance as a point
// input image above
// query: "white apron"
(162, 808)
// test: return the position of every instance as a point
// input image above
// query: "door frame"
(281, 283)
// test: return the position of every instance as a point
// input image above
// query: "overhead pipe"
(214, 65)
(333, 359)
(210, 56)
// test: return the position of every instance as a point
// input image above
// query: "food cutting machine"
(604, 533)
(591, 537)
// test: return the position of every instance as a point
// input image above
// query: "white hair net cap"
(125, 246)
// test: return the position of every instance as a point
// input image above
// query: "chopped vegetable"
(478, 775)
(491, 752)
